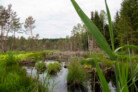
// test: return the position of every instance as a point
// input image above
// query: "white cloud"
(56, 18)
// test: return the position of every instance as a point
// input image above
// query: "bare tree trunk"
(32, 39)
(132, 43)
(5, 40)
(133, 52)
(13, 41)
(71, 45)
(89, 44)
(2, 39)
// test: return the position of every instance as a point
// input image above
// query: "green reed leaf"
(103, 81)
(100, 39)
(110, 25)
(126, 46)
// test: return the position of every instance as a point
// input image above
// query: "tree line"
(125, 28)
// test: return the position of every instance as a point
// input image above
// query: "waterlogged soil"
(58, 82)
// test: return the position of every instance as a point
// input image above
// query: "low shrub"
(53, 68)
(34, 56)
(76, 73)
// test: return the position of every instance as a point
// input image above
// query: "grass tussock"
(53, 68)
(76, 73)
(41, 66)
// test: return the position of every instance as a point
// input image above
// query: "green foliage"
(10, 59)
(76, 73)
(14, 79)
(121, 77)
(127, 26)
(53, 68)
(126, 75)
(110, 25)
(126, 46)
(34, 56)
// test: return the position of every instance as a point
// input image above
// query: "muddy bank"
(63, 56)
(57, 56)
(27, 63)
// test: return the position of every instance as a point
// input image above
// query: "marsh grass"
(53, 68)
(40, 66)
(76, 73)
(14, 79)
(10, 59)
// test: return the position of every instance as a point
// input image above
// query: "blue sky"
(56, 18)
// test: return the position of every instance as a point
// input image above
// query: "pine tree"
(128, 26)
(29, 26)
(4, 17)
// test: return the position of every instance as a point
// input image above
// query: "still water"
(58, 82)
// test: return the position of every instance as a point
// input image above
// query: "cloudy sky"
(56, 18)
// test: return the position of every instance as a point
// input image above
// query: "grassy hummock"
(76, 73)
(41, 66)
(53, 68)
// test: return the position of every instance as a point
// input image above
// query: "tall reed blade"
(103, 81)
(110, 25)
(100, 39)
